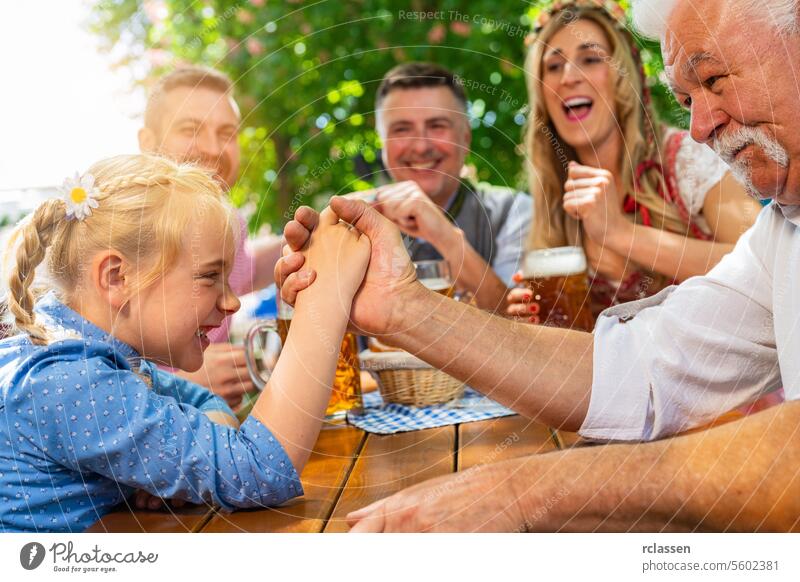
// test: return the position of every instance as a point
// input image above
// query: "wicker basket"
(404, 379)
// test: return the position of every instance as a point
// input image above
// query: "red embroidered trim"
(671, 196)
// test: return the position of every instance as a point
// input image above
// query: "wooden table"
(350, 469)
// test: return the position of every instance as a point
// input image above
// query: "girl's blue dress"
(81, 430)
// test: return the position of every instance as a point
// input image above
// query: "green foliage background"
(306, 75)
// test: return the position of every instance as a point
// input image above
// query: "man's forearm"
(541, 372)
(471, 272)
(743, 476)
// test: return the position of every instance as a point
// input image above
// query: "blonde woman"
(140, 249)
(649, 206)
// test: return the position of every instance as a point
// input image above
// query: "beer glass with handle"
(435, 275)
(346, 393)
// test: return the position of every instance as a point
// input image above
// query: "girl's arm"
(293, 402)
(191, 394)
(106, 420)
(729, 212)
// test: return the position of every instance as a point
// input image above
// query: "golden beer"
(560, 286)
(346, 394)
(435, 275)
(440, 285)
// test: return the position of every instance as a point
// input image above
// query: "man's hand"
(390, 275)
(224, 372)
(415, 214)
(477, 500)
(590, 195)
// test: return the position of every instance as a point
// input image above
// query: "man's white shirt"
(684, 356)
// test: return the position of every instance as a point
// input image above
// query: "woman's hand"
(520, 304)
(590, 195)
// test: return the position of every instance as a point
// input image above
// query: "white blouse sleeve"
(697, 169)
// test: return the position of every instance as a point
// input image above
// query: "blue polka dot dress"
(81, 430)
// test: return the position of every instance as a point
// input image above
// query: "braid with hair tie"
(35, 235)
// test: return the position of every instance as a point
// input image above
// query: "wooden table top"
(350, 469)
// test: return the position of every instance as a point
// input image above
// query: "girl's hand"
(590, 195)
(339, 255)
(520, 304)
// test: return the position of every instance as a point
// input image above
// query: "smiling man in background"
(421, 113)
(191, 116)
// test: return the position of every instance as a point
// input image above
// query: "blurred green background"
(306, 75)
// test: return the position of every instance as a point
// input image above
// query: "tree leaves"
(306, 76)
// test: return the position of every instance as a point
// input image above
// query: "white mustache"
(728, 145)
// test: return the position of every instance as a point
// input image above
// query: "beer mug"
(262, 357)
(346, 393)
(435, 275)
(560, 286)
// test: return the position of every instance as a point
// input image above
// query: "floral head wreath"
(79, 195)
(612, 8)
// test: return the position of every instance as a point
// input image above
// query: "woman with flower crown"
(649, 206)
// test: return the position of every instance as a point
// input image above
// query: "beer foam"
(560, 261)
(437, 284)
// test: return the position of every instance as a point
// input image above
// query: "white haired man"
(657, 367)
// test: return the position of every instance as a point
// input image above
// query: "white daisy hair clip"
(80, 196)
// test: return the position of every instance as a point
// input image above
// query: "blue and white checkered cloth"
(389, 418)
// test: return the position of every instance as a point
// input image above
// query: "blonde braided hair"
(34, 233)
(145, 205)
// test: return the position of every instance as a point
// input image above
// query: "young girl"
(139, 250)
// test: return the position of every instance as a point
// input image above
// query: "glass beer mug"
(560, 286)
(261, 357)
(435, 275)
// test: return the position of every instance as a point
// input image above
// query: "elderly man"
(657, 367)
(191, 116)
(421, 112)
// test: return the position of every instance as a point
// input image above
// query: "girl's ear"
(111, 278)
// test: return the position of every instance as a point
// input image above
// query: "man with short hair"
(191, 116)
(421, 116)
(653, 368)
